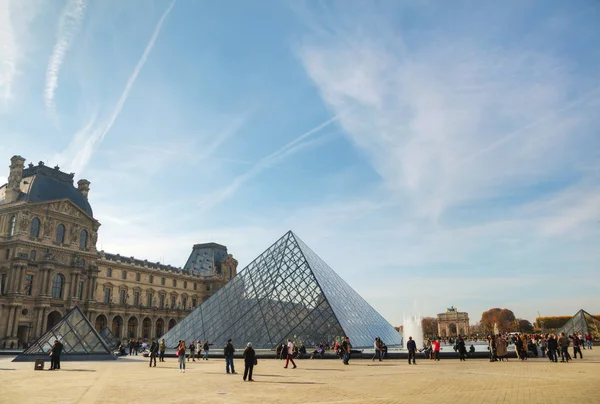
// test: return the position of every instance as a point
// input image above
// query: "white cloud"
(68, 27)
(94, 135)
(8, 52)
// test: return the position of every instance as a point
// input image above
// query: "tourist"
(552, 345)
(199, 348)
(576, 347)
(542, 345)
(181, 356)
(377, 347)
(563, 343)
(228, 351)
(249, 362)
(436, 349)
(162, 348)
(589, 341)
(501, 348)
(320, 352)
(192, 349)
(411, 345)
(206, 347)
(290, 352)
(279, 351)
(346, 348)
(153, 352)
(383, 349)
(428, 349)
(462, 349)
(131, 347)
(55, 352)
(301, 351)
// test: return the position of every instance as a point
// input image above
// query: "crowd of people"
(546, 345)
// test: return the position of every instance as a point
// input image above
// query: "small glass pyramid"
(108, 337)
(582, 322)
(80, 341)
(286, 292)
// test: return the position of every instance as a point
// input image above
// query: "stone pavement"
(314, 381)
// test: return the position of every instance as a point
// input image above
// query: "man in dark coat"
(55, 355)
(228, 351)
(411, 345)
(249, 362)
(153, 352)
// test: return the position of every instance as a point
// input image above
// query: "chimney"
(83, 186)
(13, 188)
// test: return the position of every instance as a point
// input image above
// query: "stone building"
(49, 264)
(452, 323)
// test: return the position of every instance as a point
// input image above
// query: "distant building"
(49, 264)
(452, 323)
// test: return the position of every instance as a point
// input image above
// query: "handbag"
(255, 361)
(177, 352)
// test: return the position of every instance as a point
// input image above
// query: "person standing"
(290, 353)
(552, 345)
(181, 356)
(55, 355)
(377, 347)
(589, 341)
(346, 348)
(192, 349)
(436, 349)
(462, 349)
(501, 348)
(206, 347)
(131, 347)
(228, 351)
(249, 362)
(153, 352)
(411, 345)
(162, 348)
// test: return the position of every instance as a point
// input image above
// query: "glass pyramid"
(108, 337)
(80, 341)
(286, 292)
(582, 322)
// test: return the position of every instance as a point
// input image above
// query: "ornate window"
(208, 288)
(34, 230)
(83, 238)
(149, 300)
(12, 225)
(136, 298)
(32, 255)
(80, 291)
(185, 284)
(124, 275)
(174, 283)
(184, 301)
(28, 284)
(57, 286)
(194, 302)
(123, 296)
(60, 233)
(151, 278)
(109, 272)
(173, 301)
(195, 286)
(161, 300)
(138, 277)
(2, 283)
(107, 295)
(162, 281)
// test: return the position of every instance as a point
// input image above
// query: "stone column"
(17, 315)
(9, 324)
(447, 330)
(44, 320)
(153, 328)
(22, 274)
(38, 324)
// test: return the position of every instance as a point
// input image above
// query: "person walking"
(411, 345)
(563, 343)
(153, 352)
(577, 347)
(181, 356)
(162, 348)
(589, 340)
(436, 349)
(290, 353)
(199, 348)
(206, 347)
(55, 352)
(228, 351)
(192, 349)
(346, 349)
(377, 347)
(249, 362)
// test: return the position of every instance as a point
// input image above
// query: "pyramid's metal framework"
(582, 322)
(108, 337)
(286, 292)
(80, 341)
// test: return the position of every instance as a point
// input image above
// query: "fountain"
(413, 327)
(496, 331)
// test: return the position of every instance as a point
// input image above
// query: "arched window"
(83, 239)
(57, 286)
(12, 225)
(32, 255)
(60, 233)
(34, 231)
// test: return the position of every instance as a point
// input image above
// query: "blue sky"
(434, 154)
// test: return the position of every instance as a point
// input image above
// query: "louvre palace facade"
(49, 264)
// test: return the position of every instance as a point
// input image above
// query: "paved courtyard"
(317, 381)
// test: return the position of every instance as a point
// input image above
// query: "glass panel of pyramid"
(80, 341)
(286, 292)
(108, 337)
(582, 322)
